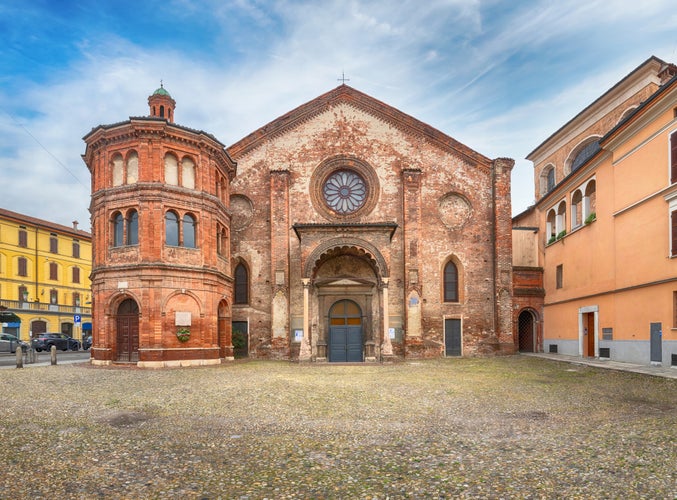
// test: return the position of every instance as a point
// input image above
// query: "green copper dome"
(161, 91)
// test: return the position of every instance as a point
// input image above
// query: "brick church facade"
(343, 231)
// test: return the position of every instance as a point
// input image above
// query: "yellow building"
(606, 218)
(44, 277)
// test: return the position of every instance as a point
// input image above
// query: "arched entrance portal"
(526, 325)
(127, 328)
(356, 273)
(345, 332)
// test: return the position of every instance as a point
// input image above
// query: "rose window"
(344, 191)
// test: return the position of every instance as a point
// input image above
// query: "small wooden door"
(38, 327)
(589, 335)
(452, 337)
(127, 324)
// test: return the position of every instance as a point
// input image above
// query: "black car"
(87, 342)
(45, 341)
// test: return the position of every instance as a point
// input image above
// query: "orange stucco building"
(603, 229)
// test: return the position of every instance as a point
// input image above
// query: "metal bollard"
(19, 357)
(52, 353)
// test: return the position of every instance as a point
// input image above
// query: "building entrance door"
(38, 327)
(452, 337)
(240, 339)
(527, 330)
(589, 335)
(345, 332)
(127, 328)
(656, 343)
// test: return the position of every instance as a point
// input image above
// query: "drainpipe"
(37, 293)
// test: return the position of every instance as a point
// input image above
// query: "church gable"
(345, 98)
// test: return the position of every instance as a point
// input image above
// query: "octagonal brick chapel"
(343, 231)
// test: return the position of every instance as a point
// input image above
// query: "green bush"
(239, 339)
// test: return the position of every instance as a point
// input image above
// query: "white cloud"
(446, 62)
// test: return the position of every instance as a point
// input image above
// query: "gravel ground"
(510, 427)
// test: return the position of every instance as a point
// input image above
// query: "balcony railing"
(24, 305)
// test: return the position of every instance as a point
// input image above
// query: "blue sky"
(499, 76)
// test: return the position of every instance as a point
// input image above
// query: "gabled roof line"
(372, 106)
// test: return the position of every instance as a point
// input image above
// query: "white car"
(8, 343)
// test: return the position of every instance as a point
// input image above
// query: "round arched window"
(344, 191)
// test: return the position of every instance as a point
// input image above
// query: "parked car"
(45, 341)
(9, 342)
(87, 342)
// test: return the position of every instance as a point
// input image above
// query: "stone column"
(387, 347)
(305, 353)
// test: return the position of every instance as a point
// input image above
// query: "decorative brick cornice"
(150, 129)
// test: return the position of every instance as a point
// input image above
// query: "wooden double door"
(345, 332)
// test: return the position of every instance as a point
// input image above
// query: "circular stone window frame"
(246, 219)
(468, 214)
(335, 164)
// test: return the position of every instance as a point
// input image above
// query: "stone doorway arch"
(342, 272)
(527, 331)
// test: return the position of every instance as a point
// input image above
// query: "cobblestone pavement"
(509, 427)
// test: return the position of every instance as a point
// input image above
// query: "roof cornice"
(43, 224)
(137, 127)
(661, 101)
(647, 72)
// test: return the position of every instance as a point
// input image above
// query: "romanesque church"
(343, 231)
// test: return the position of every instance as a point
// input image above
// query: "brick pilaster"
(502, 168)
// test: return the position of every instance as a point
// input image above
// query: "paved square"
(497, 428)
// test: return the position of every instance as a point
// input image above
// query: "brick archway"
(527, 331)
(346, 246)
